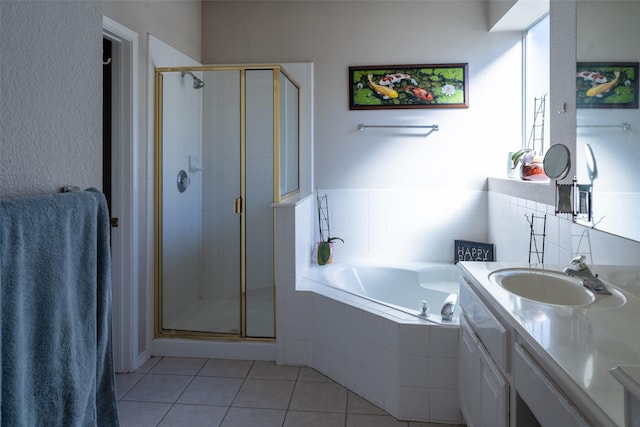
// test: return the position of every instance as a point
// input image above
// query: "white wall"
(335, 35)
(51, 103)
(177, 22)
(391, 193)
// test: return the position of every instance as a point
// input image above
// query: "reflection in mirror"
(609, 137)
(592, 166)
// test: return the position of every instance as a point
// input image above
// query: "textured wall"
(51, 103)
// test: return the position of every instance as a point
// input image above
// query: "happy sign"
(472, 251)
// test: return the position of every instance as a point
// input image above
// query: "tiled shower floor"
(189, 392)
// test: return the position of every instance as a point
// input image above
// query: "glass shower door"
(221, 145)
(200, 252)
(219, 172)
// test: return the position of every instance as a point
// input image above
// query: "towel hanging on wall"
(55, 272)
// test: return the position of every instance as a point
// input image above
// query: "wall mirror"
(609, 138)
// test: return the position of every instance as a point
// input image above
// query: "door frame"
(125, 194)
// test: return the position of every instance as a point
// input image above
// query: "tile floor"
(190, 392)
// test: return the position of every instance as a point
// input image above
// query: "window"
(536, 43)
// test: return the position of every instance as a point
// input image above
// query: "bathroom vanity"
(536, 347)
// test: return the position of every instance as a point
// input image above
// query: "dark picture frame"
(409, 86)
(607, 85)
(465, 250)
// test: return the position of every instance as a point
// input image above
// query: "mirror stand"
(575, 199)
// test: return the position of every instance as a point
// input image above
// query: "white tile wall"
(509, 230)
(412, 225)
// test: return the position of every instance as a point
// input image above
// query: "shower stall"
(227, 142)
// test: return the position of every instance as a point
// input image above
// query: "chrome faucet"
(448, 307)
(589, 280)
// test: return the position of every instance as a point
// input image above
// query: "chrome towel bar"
(623, 126)
(432, 127)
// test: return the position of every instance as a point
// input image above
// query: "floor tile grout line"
(244, 379)
(346, 409)
(298, 379)
(293, 390)
(130, 388)
(176, 400)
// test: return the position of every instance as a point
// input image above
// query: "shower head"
(197, 83)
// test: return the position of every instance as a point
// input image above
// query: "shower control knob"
(183, 181)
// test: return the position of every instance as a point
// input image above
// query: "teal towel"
(55, 272)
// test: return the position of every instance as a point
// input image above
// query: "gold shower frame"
(160, 332)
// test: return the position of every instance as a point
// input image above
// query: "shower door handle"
(237, 205)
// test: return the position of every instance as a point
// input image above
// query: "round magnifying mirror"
(557, 161)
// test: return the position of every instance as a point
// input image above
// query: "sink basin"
(545, 286)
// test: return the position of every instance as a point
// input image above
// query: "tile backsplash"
(509, 229)
(412, 225)
(421, 225)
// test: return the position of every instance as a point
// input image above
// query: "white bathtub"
(366, 334)
(401, 287)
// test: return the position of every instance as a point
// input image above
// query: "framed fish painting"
(607, 85)
(408, 86)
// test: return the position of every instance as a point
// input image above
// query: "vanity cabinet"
(484, 389)
(484, 392)
(501, 382)
(543, 399)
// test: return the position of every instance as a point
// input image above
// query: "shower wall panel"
(259, 199)
(221, 162)
(182, 212)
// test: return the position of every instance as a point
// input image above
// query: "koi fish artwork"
(592, 76)
(391, 79)
(599, 89)
(386, 92)
(419, 93)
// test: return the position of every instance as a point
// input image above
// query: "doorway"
(106, 120)
(121, 178)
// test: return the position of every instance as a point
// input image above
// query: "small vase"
(323, 255)
(533, 171)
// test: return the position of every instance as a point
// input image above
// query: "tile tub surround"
(189, 392)
(403, 364)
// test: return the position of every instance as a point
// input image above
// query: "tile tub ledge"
(542, 192)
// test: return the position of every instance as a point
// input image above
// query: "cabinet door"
(545, 401)
(468, 375)
(494, 393)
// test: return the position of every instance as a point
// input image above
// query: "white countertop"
(579, 344)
